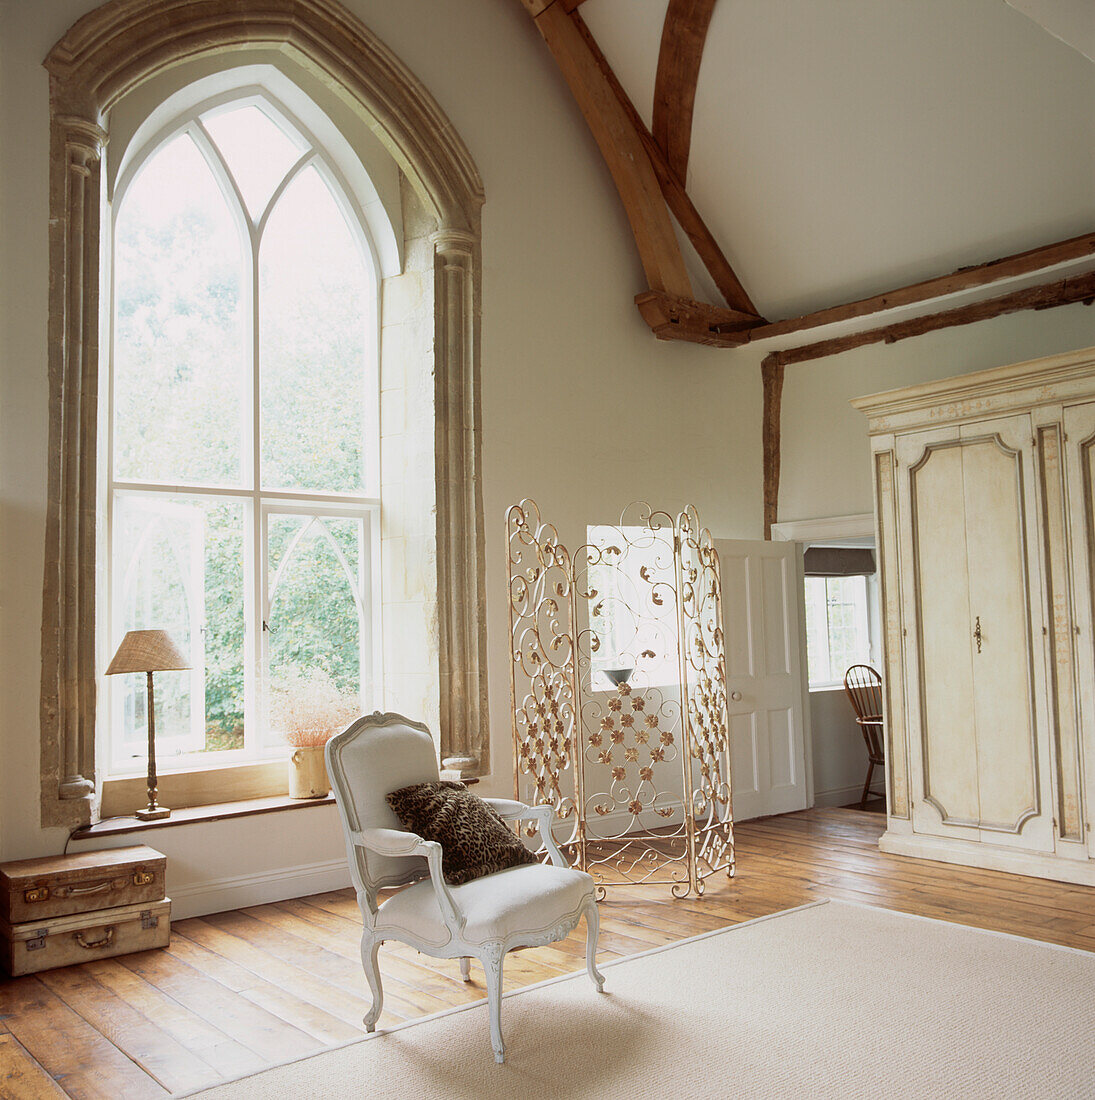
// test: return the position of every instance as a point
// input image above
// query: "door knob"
(736, 696)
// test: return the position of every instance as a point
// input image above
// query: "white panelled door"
(761, 594)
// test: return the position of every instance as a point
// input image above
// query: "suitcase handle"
(105, 940)
(90, 888)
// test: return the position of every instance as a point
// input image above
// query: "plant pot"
(308, 773)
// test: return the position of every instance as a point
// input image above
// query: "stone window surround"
(102, 57)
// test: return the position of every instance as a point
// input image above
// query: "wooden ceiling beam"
(707, 248)
(771, 375)
(672, 317)
(965, 278)
(1077, 288)
(633, 156)
(683, 35)
(1063, 292)
(621, 147)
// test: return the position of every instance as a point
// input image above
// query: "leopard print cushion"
(474, 839)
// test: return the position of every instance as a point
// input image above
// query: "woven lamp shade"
(147, 651)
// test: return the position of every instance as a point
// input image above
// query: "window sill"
(200, 787)
(117, 826)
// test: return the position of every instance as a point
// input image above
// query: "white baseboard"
(238, 891)
(844, 796)
(991, 856)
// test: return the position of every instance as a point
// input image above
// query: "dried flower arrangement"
(309, 709)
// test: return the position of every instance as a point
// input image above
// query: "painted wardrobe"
(986, 529)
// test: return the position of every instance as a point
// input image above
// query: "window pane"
(312, 309)
(178, 358)
(632, 610)
(817, 632)
(837, 630)
(315, 617)
(178, 566)
(256, 149)
(846, 601)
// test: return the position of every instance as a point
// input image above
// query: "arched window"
(243, 487)
(343, 126)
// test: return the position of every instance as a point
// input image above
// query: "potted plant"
(309, 709)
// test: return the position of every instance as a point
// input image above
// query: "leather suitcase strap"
(43, 892)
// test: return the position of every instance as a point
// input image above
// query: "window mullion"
(255, 616)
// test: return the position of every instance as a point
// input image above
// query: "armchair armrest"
(392, 842)
(398, 842)
(510, 810)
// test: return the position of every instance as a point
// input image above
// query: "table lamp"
(148, 651)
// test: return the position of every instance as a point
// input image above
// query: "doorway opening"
(839, 610)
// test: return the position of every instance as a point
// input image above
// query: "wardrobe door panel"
(942, 602)
(1079, 426)
(996, 547)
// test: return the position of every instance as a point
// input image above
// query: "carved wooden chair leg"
(465, 968)
(867, 785)
(593, 927)
(370, 948)
(492, 964)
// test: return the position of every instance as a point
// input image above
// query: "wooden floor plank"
(402, 985)
(288, 977)
(341, 969)
(163, 1058)
(250, 1025)
(84, 1063)
(323, 1026)
(21, 1077)
(213, 1046)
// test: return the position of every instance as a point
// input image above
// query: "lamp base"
(154, 814)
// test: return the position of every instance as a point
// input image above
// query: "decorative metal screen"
(619, 694)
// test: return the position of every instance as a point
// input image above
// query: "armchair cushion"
(474, 840)
(508, 906)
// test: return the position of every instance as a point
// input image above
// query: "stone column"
(68, 620)
(460, 554)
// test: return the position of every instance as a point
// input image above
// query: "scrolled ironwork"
(637, 756)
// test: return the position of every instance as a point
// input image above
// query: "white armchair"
(524, 906)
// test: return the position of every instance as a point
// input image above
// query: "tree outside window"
(243, 480)
(837, 627)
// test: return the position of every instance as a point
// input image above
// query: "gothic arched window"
(243, 487)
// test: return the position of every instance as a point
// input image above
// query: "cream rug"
(830, 1000)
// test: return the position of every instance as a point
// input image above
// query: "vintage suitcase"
(66, 941)
(56, 886)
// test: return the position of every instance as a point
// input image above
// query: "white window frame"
(258, 503)
(869, 604)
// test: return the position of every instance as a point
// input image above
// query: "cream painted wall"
(828, 473)
(582, 409)
(839, 752)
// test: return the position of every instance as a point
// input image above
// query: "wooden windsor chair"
(863, 686)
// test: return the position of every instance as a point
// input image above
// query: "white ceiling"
(1072, 21)
(844, 147)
